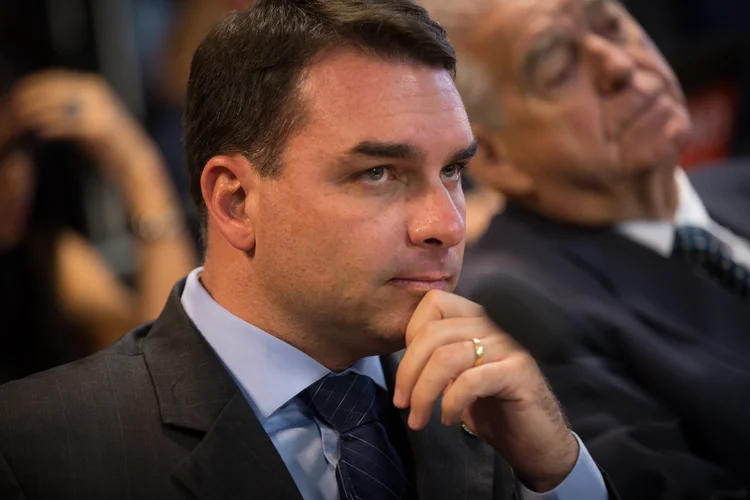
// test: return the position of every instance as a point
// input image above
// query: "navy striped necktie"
(369, 467)
(710, 257)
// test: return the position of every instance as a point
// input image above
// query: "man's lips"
(436, 281)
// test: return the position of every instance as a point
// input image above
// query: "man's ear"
(228, 183)
(492, 167)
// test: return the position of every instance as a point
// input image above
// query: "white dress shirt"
(270, 373)
(658, 235)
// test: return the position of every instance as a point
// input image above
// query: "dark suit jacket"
(156, 416)
(661, 395)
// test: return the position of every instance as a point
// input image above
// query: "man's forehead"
(362, 76)
(355, 85)
(553, 5)
(506, 14)
(350, 97)
(513, 27)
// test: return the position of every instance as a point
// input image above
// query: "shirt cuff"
(584, 481)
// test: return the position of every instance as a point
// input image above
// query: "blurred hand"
(504, 400)
(9, 129)
(67, 105)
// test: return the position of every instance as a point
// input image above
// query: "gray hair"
(473, 79)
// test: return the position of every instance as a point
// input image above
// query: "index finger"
(437, 305)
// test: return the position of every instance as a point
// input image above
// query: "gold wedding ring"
(467, 430)
(478, 352)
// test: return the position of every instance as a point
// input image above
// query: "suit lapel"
(235, 457)
(655, 289)
(663, 291)
(448, 462)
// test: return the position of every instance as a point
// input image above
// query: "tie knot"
(693, 244)
(343, 401)
(709, 257)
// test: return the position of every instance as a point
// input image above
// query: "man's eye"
(610, 28)
(453, 171)
(562, 76)
(376, 175)
(560, 67)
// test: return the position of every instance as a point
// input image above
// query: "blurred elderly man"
(580, 123)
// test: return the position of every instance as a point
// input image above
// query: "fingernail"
(413, 420)
(398, 398)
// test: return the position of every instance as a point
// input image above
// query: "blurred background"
(140, 52)
(142, 48)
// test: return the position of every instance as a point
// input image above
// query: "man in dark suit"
(325, 142)
(580, 123)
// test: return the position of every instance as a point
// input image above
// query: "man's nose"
(614, 66)
(438, 219)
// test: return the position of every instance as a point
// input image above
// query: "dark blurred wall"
(707, 42)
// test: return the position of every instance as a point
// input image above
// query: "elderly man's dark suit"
(660, 389)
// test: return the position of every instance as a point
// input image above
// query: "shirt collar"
(269, 371)
(658, 235)
(691, 211)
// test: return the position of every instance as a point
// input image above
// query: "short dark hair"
(242, 93)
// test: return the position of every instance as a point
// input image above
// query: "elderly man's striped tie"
(705, 252)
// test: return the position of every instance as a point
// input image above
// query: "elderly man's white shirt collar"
(658, 235)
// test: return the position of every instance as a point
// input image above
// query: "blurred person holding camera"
(59, 298)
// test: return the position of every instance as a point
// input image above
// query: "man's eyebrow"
(392, 150)
(406, 151)
(463, 154)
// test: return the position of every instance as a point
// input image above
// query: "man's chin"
(394, 344)
(650, 157)
(391, 323)
(658, 161)
(390, 330)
